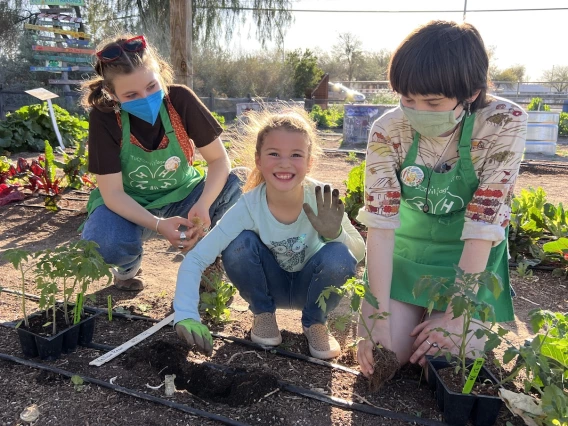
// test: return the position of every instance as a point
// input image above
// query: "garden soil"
(236, 381)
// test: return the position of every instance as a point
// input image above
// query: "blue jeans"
(121, 241)
(253, 269)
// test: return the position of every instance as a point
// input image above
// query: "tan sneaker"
(322, 344)
(135, 283)
(265, 330)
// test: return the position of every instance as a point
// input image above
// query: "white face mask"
(432, 123)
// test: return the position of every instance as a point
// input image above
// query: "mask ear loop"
(467, 107)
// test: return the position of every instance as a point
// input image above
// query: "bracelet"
(157, 223)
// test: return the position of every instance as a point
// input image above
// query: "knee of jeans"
(338, 260)
(241, 249)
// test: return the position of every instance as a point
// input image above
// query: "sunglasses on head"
(114, 51)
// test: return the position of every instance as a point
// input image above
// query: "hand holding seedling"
(169, 228)
(199, 218)
(195, 333)
(330, 213)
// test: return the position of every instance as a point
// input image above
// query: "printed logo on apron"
(412, 176)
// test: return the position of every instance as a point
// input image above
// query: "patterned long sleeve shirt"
(497, 147)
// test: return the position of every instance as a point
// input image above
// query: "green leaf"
(76, 380)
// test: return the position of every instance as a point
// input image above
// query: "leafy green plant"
(73, 266)
(214, 302)
(327, 118)
(355, 192)
(544, 362)
(563, 124)
(523, 270)
(537, 104)
(75, 167)
(356, 290)
(462, 294)
(352, 157)
(558, 252)
(220, 118)
(29, 127)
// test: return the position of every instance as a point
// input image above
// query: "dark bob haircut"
(441, 57)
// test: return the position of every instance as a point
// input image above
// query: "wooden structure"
(318, 95)
(181, 40)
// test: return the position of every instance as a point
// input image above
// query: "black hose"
(343, 403)
(131, 392)
(288, 354)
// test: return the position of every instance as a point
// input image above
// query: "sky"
(536, 39)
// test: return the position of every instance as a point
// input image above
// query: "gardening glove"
(195, 333)
(330, 213)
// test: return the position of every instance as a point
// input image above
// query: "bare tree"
(348, 49)
(557, 77)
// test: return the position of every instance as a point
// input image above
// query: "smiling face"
(284, 159)
(140, 83)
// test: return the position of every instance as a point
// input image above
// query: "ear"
(474, 97)
(257, 160)
(310, 164)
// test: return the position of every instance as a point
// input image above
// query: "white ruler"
(127, 345)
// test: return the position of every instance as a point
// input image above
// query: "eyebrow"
(134, 91)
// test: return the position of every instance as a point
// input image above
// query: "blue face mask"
(147, 108)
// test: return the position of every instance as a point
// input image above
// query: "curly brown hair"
(258, 124)
(96, 92)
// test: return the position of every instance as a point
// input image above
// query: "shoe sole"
(266, 341)
(332, 353)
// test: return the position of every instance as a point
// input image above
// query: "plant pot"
(88, 328)
(457, 407)
(51, 347)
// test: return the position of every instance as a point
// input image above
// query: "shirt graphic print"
(289, 252)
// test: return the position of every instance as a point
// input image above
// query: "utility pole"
(464, 9)
(181, 41)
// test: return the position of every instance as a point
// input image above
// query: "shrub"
(327, 118)
(220, 119)
(563, 124)
(29, 127)
(537, 104)
(354, 195)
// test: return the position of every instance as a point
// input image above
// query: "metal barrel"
(542, 132)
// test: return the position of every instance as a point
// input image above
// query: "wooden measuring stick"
(135, 340)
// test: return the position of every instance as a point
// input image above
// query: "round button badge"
(412, 176)
(172, 163)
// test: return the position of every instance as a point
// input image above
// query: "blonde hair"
(258, 124)
(96, 91)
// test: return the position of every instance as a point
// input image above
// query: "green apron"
(156, 178)
(428, 241)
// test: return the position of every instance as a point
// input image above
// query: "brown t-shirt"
(105, 135)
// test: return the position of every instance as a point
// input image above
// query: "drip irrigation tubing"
(342, 403)
(127, 391)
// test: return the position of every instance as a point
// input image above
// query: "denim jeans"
(121, 241)
(253, 269)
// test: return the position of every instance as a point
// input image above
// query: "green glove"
(195, 333)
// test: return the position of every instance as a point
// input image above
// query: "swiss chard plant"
(463, 295)
(558, 252)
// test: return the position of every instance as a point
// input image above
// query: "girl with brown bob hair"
(440, 173)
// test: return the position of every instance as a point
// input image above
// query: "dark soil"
(41, 324)
(454, 383)
(386, 365)
(30, 226)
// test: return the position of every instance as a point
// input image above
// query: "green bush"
(220, 119)
(327, 118)
(355, 195)
(563, 124)
(537, 104)
(28, 128)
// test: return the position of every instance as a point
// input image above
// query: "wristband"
(157, 223)
(326, 240)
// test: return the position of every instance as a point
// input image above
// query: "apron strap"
(464, 149)
(125, 123)
(413, 151)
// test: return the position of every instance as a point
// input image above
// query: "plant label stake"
(127, 345)
(109, 307)
(45, 95)
(475, 369)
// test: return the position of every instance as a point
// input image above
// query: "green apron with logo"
(156, 178)
(428, 241)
